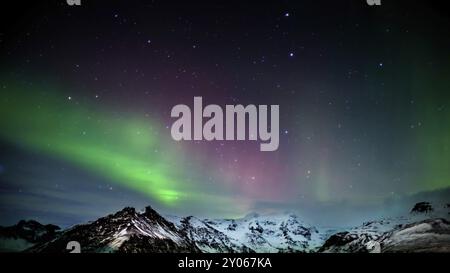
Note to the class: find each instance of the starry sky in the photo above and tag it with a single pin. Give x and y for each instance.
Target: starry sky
(86, 94)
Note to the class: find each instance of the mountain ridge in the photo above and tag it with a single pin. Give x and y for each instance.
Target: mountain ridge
(147, 231)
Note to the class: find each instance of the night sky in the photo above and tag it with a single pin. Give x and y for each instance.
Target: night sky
(86, 94)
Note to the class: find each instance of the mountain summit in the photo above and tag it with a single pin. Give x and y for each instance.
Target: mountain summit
(125, 231)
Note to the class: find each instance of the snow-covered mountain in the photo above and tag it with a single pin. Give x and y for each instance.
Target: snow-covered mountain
(253, 233)
(424, 229)
(271, 233)
(131, 231)
(124, 231)
(431, 235)
(207, 238)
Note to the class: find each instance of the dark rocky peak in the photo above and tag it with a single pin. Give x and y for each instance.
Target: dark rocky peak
(31, 231)
(155, 217)
(126, 211)
(151, 213)
(35, 225)
(29, 224)
(422, 207)
(123, 216)
(186, 220)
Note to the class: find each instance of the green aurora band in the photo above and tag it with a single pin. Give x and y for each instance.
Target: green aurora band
(119, 147)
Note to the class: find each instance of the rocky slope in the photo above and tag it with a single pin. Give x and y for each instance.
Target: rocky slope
(25, 234)
(125, 231)
(424, 230)
(432, 235)
(207, 238)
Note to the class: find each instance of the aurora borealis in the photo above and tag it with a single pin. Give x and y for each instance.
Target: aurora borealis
(86, 95)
